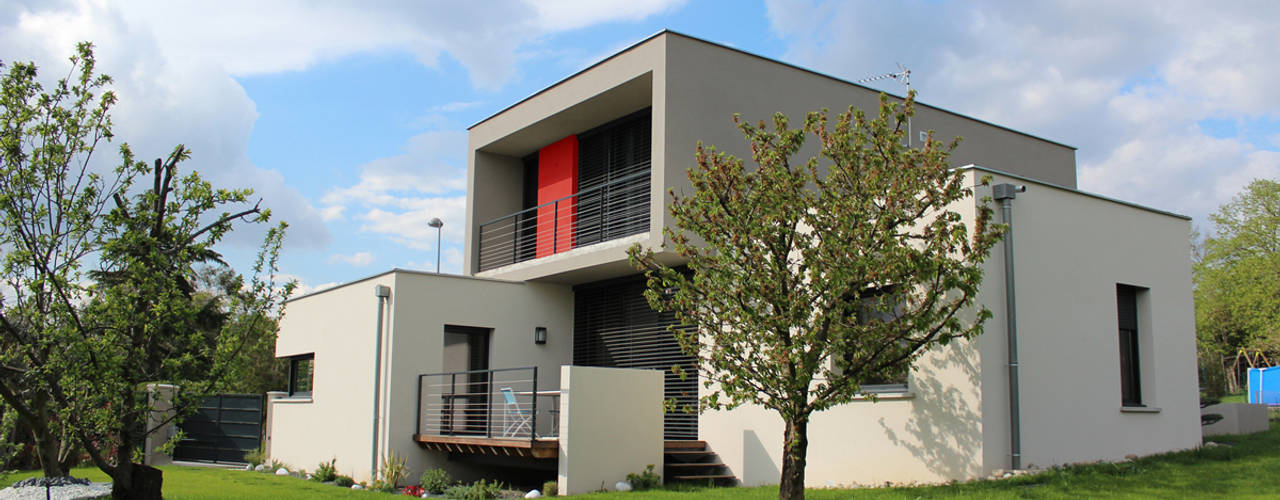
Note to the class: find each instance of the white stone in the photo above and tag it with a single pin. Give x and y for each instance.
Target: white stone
(533, 494)
(248, 467)
(72, 491)
(622, 486)
(260, 467)
(282, 471)
(357, 487)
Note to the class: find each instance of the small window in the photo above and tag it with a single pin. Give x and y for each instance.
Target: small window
(301, 369)
(1130, 362)
(874, 306)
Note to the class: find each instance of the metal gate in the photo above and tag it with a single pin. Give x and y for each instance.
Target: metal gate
(223, 429)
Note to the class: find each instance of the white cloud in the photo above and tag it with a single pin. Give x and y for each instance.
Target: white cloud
(1125, 82)
(300, 286)
(163, 101)
(303, 289)
(396, 196)
(358, 259)
(409, 227)
(561, 15)
(332, 213)
(429, 165)
(174, 64)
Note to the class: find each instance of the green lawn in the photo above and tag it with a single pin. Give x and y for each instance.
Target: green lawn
(1249, 468)
(1239, 397)
(199, 483)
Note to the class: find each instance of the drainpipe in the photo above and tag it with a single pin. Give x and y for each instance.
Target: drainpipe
(1005, 193)
(383, 292)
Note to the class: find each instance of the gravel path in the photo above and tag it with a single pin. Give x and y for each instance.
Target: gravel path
(65, 490)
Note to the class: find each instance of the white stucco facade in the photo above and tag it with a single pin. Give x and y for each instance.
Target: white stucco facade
(339, 325)
(1071, 251)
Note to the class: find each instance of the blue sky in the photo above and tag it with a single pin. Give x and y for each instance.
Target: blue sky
(350, 119)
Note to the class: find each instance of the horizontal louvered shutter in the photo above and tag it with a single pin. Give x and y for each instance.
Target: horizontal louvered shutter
(615, 327)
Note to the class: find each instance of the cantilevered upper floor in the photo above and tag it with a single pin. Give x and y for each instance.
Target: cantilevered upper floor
(561, 183)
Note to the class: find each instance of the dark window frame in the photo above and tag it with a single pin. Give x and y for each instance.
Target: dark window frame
(294, 361)
(1130, 345)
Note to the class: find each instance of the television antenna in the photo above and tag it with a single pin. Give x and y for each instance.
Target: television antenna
(903, 76)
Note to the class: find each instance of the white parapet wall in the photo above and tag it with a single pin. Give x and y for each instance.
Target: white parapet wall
(610, 425)
(1237, 418)
(161, 398)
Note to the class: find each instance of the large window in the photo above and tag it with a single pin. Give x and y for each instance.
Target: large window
(614, 326)
(301, 369)
(1130, 346)
(613, 177)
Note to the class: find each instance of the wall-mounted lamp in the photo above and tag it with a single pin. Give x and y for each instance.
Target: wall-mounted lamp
(540, 335)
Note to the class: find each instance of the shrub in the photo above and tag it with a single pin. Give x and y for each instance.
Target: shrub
(343, 481)
(275, 466)
(326, 471)
(646, 480)
(435, 481)
(383, 486)
(257, 457)
(392, 469)
(479, 490)
(412, 491)
(458, 492)
(550, 489)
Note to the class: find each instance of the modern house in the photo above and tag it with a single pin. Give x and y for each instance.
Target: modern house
(543, 359)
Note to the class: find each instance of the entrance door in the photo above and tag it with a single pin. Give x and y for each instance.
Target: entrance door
(466, 352)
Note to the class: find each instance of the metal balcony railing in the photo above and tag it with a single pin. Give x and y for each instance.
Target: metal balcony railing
(493, 404)
(603, 212)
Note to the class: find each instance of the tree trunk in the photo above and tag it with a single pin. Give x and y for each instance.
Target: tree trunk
(47, 449)
(132, 481)
(795, 448)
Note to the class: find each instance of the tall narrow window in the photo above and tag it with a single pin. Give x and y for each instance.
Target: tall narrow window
(1130, 369)
(301, 369)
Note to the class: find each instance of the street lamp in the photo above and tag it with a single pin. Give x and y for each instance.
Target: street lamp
(438, 224)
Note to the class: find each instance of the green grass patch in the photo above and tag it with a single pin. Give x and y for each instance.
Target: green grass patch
(1238, 397)
(1245, 469)
(201, 483)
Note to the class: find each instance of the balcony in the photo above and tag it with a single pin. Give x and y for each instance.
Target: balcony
(494, 412)
(606, 211)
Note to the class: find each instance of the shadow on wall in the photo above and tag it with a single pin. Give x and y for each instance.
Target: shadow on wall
(757, 462)
(945, 427)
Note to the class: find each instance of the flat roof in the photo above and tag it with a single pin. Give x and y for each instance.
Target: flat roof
(758, 56)
(1073, 190)
(397, 270)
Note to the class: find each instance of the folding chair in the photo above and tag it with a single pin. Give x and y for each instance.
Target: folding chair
(514, 416)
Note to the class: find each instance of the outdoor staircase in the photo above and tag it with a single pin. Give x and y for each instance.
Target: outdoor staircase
(691, 462)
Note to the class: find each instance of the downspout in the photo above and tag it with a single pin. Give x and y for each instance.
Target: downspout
(383, 292)
(1005, 193)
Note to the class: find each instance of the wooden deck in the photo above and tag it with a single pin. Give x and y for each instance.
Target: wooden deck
(539, 448)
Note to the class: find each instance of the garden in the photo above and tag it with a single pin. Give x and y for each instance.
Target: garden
(1228, 467)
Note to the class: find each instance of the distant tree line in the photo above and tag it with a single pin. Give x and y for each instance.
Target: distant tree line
(1237, 288)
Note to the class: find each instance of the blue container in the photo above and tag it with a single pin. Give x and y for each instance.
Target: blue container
(1264, 385)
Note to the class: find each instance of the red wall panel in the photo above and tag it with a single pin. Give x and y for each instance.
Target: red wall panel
(557, 178)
